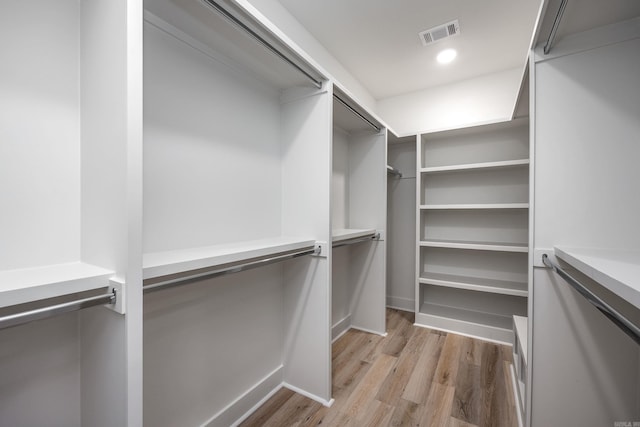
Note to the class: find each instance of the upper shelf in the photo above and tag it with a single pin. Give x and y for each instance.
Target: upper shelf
(160, 264)
(472, 206)
(33, 284)
(341, 234)
(475, 166)
(616, 270)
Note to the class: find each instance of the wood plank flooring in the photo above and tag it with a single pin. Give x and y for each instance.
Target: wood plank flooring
(412, 377)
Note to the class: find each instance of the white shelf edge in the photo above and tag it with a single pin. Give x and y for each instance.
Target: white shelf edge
(478, 246)
(32, 284)
(475, 166)
(520, 326)
(160, 264)
(466, 285)
(471, 206)
(341, 234)
(616, 270)
(464, 327)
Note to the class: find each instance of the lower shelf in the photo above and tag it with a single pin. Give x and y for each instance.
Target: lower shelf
(470, 312)
(482, 325)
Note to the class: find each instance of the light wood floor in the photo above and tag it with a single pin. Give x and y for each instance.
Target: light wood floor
(412, 377)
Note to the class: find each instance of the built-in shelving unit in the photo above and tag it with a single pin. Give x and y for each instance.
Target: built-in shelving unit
(358, 217)
(472, 229)
(237, 162)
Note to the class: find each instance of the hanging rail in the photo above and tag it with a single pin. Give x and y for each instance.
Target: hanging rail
(394, 171)
(353, 240)
(357, 113)
(554, 28)
(260, 39)
(54, 310)
(611, 313)
(229, 268)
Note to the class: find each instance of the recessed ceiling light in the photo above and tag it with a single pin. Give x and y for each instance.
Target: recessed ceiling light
(446, 56)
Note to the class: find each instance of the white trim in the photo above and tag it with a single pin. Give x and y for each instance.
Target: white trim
(340, 327)
(245, 404)
(398, 303)
(295, 389)
(370, 331)
(516, 394)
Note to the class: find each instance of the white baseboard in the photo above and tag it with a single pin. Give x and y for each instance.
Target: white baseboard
(340, 328)
(240, 409)
(404, 304)
(325, 402)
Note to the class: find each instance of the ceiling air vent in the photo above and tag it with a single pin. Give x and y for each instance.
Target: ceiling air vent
(440, 32)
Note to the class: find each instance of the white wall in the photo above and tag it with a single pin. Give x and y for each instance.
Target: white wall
(586, 124)
(485, 99)
(40, 134)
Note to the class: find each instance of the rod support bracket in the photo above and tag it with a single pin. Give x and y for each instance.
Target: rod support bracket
(322, 249)
(118, 287)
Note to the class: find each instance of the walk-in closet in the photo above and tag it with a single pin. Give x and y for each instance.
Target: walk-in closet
(279, 213)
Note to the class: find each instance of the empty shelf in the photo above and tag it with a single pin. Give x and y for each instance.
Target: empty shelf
(618, 271)
(475, 284)
(33, 284)
(462, 315)
(341, 234)
(160, 264)
(472, 166)
(480, 246)
(470, 206)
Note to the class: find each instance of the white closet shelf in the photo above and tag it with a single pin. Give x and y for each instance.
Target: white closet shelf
(479, 246)
(341, 234)
(471, 206)
(158, 264)
(486, 320)
(475, 166)
(475, 284)
(33, 284)
(616, 270)
(520, 326)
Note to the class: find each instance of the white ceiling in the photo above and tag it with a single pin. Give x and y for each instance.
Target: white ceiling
(377, 40)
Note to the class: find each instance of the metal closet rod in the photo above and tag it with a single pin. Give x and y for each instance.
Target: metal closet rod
(234, 20)
(229, 268)
(357, 113)
(612, 314)
(554, 28)
(360, 239)
(54, 310)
